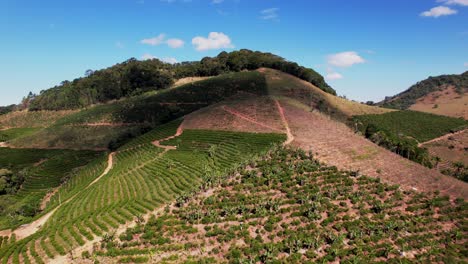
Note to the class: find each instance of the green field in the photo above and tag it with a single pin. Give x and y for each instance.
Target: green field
(290, 208)
(417, 125)
(42, 170)
(13, 133)
(142, 179)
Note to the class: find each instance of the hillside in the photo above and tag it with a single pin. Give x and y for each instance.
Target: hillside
(134, 77)
(443, 95)
(214, 137)
(289, 208)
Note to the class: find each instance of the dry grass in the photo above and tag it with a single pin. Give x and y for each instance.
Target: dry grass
(283, 84)
(32, 119)
(445, 102)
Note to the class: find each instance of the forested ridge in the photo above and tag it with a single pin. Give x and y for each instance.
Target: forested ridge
(134, 77)
(407, 98)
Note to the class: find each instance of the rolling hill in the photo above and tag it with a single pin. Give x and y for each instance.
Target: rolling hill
(442, 95)
(256, 164)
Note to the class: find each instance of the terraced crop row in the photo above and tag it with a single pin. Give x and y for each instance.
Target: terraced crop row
(140, 181)
(42, 170)
(290, 208)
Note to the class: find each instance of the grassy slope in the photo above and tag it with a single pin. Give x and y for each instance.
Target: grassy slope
(290, 208)
(282, 84)
(13, 133)
(445, 102)
(26, 119)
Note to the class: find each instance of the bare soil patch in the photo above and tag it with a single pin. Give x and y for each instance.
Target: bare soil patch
(248, 114)
(444, 102)
(336, 144)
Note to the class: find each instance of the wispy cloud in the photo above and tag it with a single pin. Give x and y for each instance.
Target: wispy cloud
(154, 41)
(175, 43)
(269, 14)
(439, 11)
(217, 1)
(466, 64)
(344, 59)
(215, 40)
(333, 76)
(454, 2)
(161, 39)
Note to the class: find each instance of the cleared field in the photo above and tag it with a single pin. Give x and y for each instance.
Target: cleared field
(336, 144)
(446, 102)
(143, 178)
(290, 208)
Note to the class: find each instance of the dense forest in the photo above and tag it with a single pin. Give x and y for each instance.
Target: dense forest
(407, 98)
(134, 77)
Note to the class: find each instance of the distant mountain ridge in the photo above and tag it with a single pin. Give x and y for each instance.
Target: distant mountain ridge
(406, 99)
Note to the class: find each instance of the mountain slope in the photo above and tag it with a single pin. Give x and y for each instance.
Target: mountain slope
(444, 95)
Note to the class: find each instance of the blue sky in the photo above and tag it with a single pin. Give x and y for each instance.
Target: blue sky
(367, 48)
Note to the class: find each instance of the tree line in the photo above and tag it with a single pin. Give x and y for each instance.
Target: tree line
(134, 77)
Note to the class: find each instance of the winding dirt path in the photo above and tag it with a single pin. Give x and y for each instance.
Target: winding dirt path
(110, 164)
(179, 132)
(31, 228)
(88, 246)
(446, 136)
(285, 122)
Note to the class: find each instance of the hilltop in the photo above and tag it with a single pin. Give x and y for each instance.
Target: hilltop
(442, 95)
(143, 163)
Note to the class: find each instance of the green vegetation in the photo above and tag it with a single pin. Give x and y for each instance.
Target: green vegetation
(12, 133)
(140, 113)
(6, 109)
(290, 208)
(143, 178)
(402, 131)
(420, 126)
(134, 77)
(26, 175)
(407, 98)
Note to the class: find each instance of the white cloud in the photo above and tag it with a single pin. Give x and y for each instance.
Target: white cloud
(269, 14)
(175, 43)
(454, 2)
(345, 59)
(333, 76)
(439, 11)
(170, 60)
(148, 56)
(215, 40)
(158, 40)
(466, 64)
(161, 39)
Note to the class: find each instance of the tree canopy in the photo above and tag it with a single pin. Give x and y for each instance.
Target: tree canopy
(134, 77)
